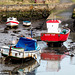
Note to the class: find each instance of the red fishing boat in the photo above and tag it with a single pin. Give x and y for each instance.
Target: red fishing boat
(55, 33)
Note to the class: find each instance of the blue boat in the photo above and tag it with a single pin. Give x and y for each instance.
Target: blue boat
(26, 47)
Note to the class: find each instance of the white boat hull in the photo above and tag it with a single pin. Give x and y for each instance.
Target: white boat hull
(12, 24)
(27, 24)
(19, 53)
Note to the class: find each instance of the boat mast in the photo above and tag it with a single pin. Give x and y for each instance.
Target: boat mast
(31, 31)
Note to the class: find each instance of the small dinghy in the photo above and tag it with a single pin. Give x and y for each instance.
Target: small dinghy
(26, 23)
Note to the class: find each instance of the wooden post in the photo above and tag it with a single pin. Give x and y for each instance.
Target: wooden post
(10, 54)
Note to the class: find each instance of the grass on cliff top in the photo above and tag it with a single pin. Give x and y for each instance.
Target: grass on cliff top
(73, 1)
(6, 3)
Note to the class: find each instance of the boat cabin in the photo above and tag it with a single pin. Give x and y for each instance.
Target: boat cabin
(27, 44)
(11, 19)
(53, 26)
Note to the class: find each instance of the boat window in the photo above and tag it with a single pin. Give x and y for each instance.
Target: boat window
(11, 19)
(6, 49)
(15, 54)
(19, 53)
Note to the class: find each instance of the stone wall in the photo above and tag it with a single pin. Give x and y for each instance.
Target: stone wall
(26, 7)
(30, 10)
(23, 12)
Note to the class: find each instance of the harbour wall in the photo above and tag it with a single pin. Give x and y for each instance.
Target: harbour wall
(25, 12)
(30, 11)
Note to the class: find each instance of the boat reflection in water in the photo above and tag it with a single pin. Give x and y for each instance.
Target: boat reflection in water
(28, 68)
(53, 57)
(20, 68)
